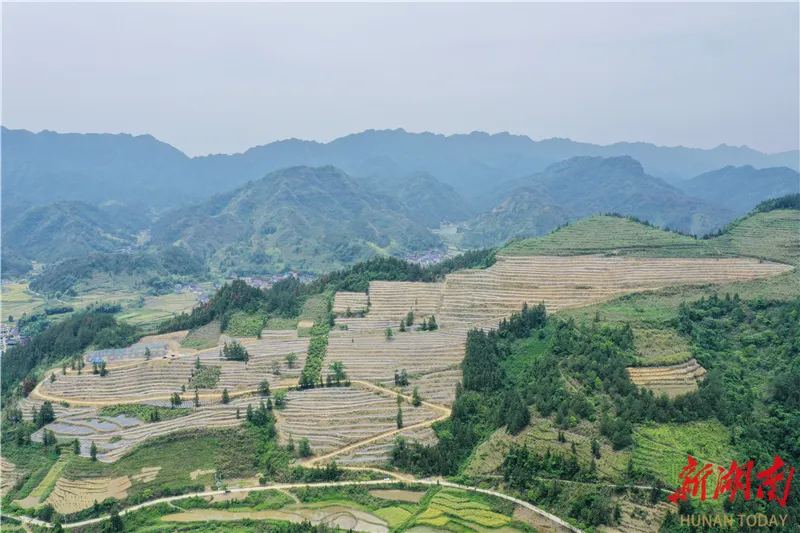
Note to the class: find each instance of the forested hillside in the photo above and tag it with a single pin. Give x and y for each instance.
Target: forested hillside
(302, 218)
(742, 188)
(585, 186)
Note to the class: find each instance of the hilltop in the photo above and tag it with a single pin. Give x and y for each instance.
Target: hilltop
(765, 234)
(586, 186)
(56, 231)
(301, 218)
(742, 188)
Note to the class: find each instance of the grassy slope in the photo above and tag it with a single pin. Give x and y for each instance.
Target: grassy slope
(769, 235)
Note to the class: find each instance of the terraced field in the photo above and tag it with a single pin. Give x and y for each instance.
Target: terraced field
(8, 476)
(562, 282)
(672, 380)
(394, 299)
(70, 496)
(331, 418)
(159, 378)
(371, 357)
(377, 453)
(115, 436)
(355, 301)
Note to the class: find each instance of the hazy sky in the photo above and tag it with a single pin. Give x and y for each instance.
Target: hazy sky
(211, 78)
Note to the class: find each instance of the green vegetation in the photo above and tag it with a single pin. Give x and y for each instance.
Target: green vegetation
(234, 352)
(242, 324)
(607, 234)
(311, 375)
(206, 376)
(157, 271)
(206, 336)
(662, 449)
(583, 186)
(765, 234)
(253, 501)
(326, 223)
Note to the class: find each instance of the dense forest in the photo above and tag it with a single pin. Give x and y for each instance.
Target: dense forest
(155, 269)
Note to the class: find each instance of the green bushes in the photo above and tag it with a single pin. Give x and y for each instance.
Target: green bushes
(241, 324)
(311, 374)
(206, 377)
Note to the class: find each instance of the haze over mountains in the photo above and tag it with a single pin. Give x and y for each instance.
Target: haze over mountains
(96, 192)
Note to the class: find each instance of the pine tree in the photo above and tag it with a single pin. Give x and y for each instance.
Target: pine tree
(249, 413)
(304, 448)
(410, 319)
(416, 398)
(432, 325)
(93, 451)
(76, 447)
(147, 354)
(225, 397)
(196, 398)
(399, 416)
(238, 414)
(402, 326)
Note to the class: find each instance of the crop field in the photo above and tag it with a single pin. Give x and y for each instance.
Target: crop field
(17, 300)
(770, 235)
(159, 378)
(394, 299)
(334, 417)
(70, 496)
(662, 450)
(672, 380)
(460, 509)
(371, 357)
(203, 337)
(8, 476)
(355, 301)
(348, 518)
(115, 436)
(562, 282)
(158, 308)
(437, 387)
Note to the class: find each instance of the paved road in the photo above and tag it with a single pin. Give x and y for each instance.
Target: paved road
(286, 486)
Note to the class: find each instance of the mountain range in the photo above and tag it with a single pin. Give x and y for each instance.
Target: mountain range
(742, 188)
(315, 207)
(45, 167)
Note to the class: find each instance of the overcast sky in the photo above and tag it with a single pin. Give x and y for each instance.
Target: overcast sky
(211, 78)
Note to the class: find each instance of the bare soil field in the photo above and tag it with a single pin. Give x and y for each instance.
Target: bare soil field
(355, 301)
(472, 296)
(334, 417)
(70, 496)
(672, 380)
